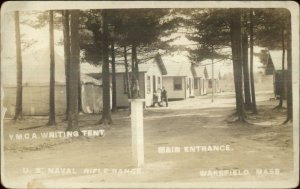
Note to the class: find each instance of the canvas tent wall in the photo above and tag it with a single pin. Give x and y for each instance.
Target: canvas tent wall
(179, 80)
(91, 94)
(36, 78)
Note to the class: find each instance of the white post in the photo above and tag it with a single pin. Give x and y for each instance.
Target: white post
(137, 131)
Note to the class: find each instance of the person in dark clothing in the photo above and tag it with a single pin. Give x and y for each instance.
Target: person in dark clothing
(164, 96)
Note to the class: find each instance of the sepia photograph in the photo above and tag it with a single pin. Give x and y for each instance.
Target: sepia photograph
(136, 94)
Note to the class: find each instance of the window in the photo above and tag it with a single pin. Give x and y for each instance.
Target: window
(177, 83)
(148, 85)
(196, 83)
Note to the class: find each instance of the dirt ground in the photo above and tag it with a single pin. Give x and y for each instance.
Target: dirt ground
(262, 144)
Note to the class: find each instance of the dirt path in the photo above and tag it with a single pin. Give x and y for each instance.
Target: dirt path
(187, 125)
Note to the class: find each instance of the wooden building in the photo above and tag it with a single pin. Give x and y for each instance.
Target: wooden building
(274, 67)
(179, 80)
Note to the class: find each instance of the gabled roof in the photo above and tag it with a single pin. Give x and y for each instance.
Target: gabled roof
(207, 67)
(275, 58)
(177, 65)
(161, 64)
(198, 71)
(209, 71)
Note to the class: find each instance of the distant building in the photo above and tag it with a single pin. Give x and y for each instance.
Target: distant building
(213, 76)
(210, 75)
(200, 81)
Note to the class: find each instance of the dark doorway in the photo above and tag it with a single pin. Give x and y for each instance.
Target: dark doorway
(154, 83)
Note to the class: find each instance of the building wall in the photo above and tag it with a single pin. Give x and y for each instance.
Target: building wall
(201, 87)
(122, 97)
(261, 82)
(168, 83)
(153, 72)
(216, 87)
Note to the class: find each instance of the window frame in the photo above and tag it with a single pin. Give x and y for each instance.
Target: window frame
(174, 83)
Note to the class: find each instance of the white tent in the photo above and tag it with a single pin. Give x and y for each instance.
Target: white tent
(36, 80)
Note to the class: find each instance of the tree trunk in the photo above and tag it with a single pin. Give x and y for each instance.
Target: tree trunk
(66, 33)
(106, 115)
(236, 45)
(136, 63)
(113, 78)
(282, 71)
(246, 72)
(74, 66)
(127, 78)
(52, 72)
(127, 73)
(212, 80)
(289, 75)
(253, 98)
(137, 72)
(19, 95)
(79, 91)
(134, 75)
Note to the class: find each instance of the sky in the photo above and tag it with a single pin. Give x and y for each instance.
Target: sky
(41, 41)
(40, 37)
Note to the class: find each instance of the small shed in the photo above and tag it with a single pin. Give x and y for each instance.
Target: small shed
(274, 67)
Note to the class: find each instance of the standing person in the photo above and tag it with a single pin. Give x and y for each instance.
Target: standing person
(159, 98)
(164, 96)
(155, 98)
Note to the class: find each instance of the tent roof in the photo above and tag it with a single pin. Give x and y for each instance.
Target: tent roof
(35, 68)
(86, 79)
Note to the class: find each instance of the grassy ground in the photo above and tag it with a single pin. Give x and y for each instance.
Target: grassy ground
(262, 143)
